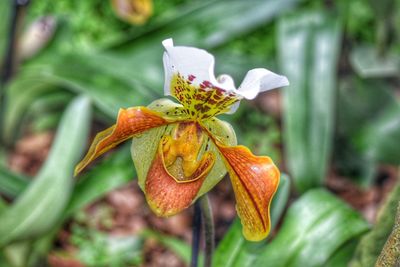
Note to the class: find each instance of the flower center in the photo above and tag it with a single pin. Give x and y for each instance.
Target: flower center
(181, 151)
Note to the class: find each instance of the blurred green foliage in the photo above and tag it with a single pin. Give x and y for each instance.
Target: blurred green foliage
(340, 115)
(309, 52)
(94, 22)
(97, 249)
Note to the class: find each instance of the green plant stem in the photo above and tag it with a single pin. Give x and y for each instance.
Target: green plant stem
(390, 255)
(208, 224)
(196, 234)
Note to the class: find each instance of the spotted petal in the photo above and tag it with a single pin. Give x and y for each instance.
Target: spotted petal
(191, 63)
(130, 122)
(255, 181)
(189, 77)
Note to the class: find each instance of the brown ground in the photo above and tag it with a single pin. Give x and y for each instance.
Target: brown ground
(129, 214)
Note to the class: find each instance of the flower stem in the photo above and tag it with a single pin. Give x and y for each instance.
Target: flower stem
(196, 234)
(208, 223)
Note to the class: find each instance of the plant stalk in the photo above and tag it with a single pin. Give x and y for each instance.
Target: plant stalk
(196, 234)
(208, 224)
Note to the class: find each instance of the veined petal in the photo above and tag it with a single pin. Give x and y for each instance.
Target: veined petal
(130, 122)
(255, 181)
(189, 62)
(260, 80)
(166, 194)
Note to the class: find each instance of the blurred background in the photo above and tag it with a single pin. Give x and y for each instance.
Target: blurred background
(67, 66)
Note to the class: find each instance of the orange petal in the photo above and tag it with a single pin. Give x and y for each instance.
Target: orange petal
(255, 181)
(130, 121)
(168, 196)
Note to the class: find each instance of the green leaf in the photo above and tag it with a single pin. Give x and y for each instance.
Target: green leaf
(47, 121)
(20, 93)
(3, 205)
(234, 249)
(379, 140)
(343, 255)
(39, 208)
(4, 29)
(367, 62)
(12, 184)
(16, 254)
(54, 100)
(315, 228)
(308, 47)
(359, 101)
(113, 172)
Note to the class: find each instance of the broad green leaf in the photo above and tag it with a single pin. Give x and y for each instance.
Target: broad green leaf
(40, 206)
(315, 227)
(234, 249)
(109, 90)
(111, 173)
(5, 8)
(367, 62)
(308, 48)
(379, 140)
(12, 184)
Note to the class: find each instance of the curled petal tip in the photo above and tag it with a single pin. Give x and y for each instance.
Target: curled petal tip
(168, 43)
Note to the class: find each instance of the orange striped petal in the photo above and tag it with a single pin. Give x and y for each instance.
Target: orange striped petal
(130, 122)
(255, 181)
(168, 196)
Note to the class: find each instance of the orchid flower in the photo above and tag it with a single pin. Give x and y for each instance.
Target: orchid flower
(181, 151)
